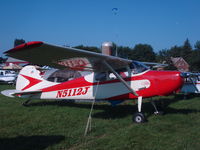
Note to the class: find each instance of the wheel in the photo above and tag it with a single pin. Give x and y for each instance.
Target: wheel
(139, 118)
(159, 113)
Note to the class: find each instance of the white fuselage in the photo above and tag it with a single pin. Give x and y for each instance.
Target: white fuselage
(95, 90)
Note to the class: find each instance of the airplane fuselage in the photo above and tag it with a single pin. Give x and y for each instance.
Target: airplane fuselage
(146, 84)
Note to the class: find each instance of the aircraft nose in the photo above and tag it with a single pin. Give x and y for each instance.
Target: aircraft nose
(178, 79)
(170, 82)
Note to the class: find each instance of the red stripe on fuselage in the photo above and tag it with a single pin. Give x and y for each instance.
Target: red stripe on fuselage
(162, 83)
(80, 82)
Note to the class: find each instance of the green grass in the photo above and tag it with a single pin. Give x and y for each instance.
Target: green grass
(61, 125)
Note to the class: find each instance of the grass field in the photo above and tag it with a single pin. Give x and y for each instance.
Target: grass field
(61, 125)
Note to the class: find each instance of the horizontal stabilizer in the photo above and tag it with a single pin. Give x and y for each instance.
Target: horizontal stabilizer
(13, 93)
(8, 93)
(27, 92)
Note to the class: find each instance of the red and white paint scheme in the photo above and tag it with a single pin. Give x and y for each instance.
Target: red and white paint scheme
(111, 78)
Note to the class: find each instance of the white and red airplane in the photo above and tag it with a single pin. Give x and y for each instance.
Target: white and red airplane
(112, 78)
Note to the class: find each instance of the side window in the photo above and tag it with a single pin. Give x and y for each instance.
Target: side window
(124, 72)
(138, 67)
(100, 76)
(1, 73)
(103, 76)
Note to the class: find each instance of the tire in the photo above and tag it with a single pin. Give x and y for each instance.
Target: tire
(159, 113)
(139, 118)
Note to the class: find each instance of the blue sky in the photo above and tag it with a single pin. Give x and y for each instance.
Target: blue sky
(159, 23)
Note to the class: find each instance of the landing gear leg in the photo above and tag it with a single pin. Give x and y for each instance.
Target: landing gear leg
(26, 103)
(156, 110)
(139, 116)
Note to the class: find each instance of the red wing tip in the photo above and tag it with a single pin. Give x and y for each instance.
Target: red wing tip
(27, 45)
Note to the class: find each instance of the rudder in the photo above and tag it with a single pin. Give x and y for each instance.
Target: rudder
(27, 78)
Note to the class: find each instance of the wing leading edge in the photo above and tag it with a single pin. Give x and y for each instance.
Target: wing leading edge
(65, 57)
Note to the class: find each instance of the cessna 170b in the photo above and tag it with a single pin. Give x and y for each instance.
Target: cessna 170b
(111, 78)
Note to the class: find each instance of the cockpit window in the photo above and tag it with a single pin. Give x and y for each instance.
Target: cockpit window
(135, 67)
(138, 67)
(61, 75)
(102, 76)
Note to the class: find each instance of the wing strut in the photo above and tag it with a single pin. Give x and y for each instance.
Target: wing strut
(120, 78)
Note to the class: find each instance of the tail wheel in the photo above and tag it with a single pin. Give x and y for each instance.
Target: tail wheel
(139, 118)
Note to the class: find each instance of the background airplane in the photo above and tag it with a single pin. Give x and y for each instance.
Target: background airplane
(8, 76)
(191, 84)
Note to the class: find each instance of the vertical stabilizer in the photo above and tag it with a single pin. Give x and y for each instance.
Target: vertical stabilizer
(28, 77)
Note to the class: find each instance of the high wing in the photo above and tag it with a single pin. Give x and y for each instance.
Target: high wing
(40, 53)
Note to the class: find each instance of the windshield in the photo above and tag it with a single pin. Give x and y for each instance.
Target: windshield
(138, 67)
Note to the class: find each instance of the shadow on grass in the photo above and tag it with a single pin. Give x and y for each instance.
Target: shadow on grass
(123, 110)
(29, 143)
(147, 108)
(165, 102)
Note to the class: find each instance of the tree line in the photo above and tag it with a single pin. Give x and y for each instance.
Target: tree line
(145, 53)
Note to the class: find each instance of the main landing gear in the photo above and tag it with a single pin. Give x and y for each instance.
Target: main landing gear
(156, 112)
(139, 117)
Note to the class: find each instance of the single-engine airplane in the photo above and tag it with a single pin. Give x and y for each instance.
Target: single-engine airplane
(112, 78)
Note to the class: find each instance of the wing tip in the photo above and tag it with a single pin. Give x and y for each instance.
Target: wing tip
(27, 45)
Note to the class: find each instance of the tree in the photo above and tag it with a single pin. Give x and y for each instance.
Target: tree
(195, 61)
(191, 56)
(187, 46)
(179, 51)
(186, 50)
(123, 52)
(19, 42)
(197, 45)
(175, 51)
(195, 58)
(162, 55)
(143, 52)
